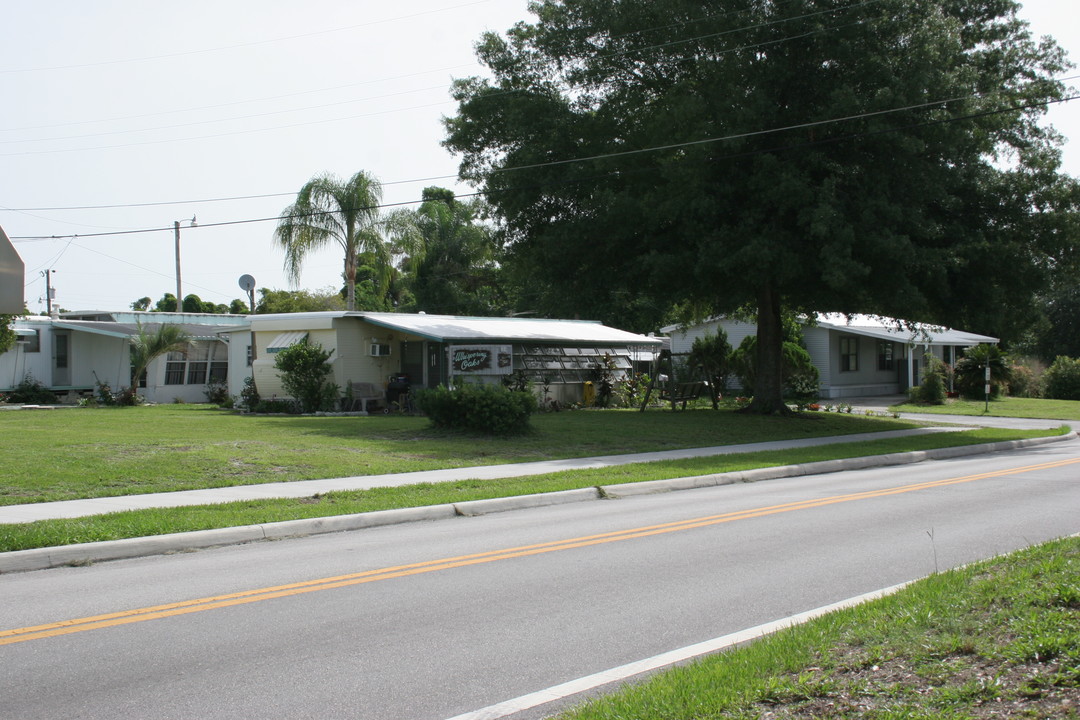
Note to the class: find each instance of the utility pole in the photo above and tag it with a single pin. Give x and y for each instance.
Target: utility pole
(49, 292)
(176, 233)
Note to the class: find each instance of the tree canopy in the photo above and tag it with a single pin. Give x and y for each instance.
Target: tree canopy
(452, 267)
(328, 210)
(294, 301)
(881, 156)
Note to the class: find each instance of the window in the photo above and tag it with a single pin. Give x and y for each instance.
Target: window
(219, 371)
(886, 356)
(31, 340)
(175, 367)
(849, 354)
(198, 365)
(198, 358)
(61, 350)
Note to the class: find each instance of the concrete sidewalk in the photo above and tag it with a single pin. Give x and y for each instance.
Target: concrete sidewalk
(49, 557)
(31, 512)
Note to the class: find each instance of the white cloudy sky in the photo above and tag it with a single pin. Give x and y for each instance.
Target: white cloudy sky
(127, 102)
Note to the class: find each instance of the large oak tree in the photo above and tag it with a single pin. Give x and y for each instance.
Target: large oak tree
(874, 156)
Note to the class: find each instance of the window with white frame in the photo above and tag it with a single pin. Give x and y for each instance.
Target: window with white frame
(197, 365)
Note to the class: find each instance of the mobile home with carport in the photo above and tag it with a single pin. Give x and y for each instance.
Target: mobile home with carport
(429, 350)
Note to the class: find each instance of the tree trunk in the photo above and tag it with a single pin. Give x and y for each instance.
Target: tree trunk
(768, 383)
(350, 267)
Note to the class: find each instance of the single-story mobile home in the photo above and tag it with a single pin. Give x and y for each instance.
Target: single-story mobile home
(423, 351)
(857, 355)
(70, 353)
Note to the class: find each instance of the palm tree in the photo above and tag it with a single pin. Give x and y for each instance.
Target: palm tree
(147, 345)
(450, 256)
(328, 210)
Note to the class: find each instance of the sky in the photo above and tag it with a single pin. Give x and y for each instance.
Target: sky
(169, 111)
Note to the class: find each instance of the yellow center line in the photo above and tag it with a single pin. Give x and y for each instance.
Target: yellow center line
(65, 627)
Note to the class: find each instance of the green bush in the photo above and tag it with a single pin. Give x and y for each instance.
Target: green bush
(1025, 381)
(801, 379)
(931, 391)
(304, 368)
(217, 393)
(277, 405)
(30, 391)
(485, 409)
(711, 355)
(970, 372)
(1061, 381)
(249, 396)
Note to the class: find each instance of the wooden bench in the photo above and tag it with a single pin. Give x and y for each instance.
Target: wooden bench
(684, 392)
(364, 393)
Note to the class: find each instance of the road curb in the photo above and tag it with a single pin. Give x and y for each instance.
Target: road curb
(88, 553)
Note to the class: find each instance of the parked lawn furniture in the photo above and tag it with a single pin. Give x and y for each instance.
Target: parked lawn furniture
(364, 393)
(683, 393)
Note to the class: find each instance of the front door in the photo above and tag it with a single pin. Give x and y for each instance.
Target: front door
(61, 359)
(436, 364)
(412, 361)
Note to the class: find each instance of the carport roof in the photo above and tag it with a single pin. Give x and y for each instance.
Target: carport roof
(128, 330)
(897, 331)
(452, 328)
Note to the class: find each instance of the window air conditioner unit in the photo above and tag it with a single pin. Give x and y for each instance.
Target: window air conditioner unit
(380, 350)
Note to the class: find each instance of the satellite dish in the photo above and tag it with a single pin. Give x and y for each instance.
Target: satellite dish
(247, 283)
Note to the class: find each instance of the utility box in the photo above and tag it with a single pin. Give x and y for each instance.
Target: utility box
(12, 277)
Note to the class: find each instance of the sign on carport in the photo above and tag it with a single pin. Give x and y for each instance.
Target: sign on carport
(12, 272)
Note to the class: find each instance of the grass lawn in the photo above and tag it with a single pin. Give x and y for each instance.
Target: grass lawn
(1005, 407)
(993, 640)
(141, 523)
(64, 454)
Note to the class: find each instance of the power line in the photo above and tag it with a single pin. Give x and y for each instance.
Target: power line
(624, 153)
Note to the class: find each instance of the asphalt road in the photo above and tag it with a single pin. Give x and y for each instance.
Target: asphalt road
(431, 620)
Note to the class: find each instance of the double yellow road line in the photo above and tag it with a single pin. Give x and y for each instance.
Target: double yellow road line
(157, 612)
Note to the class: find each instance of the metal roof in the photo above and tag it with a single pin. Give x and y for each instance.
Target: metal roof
(453, 328)
(129, 330)
(900, 331)
(885, 328)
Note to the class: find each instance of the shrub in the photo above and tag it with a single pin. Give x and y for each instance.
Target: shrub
(30, 391)
(304, 367)
(602, 375)
(1061, 381)
(103, 392)
(249, 396)
(217, 392)
(1025, 380)
(970, 372)
(485, 409)
(711, 355)
(277, 405)
(801, 379)
(931, 391)
(631, 388)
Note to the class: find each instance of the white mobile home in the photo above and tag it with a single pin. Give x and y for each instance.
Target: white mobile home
(857, 355)
(70, 354)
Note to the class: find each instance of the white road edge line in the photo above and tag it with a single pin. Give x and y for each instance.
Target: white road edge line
(623, 672)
